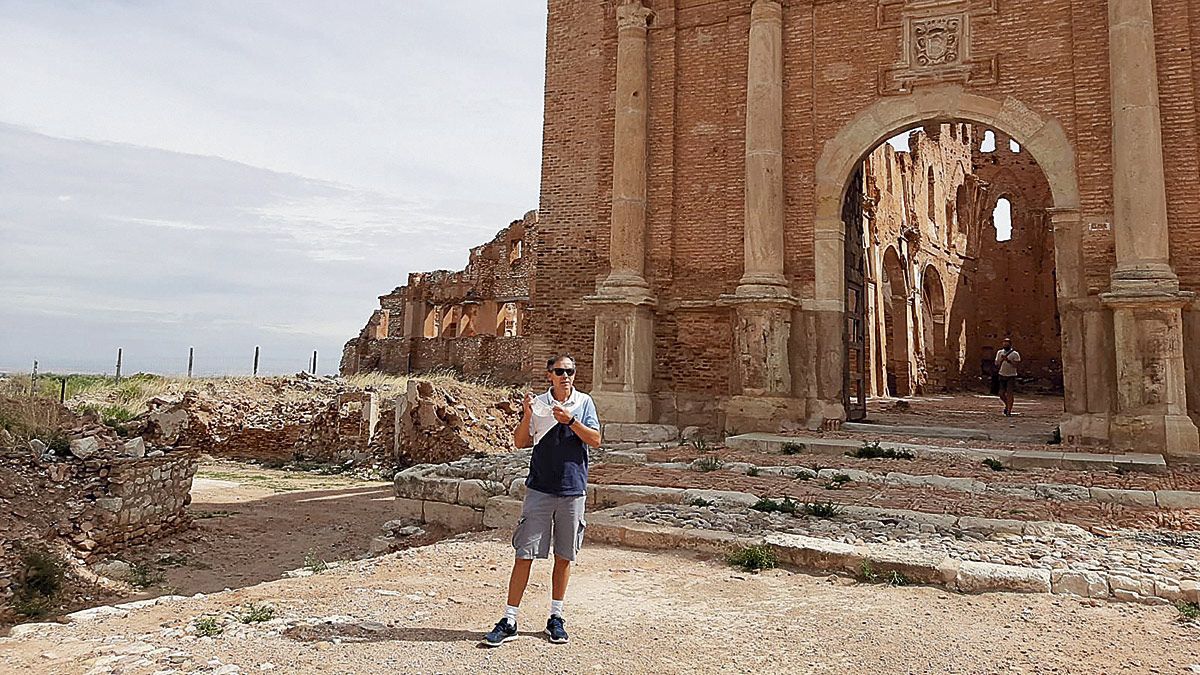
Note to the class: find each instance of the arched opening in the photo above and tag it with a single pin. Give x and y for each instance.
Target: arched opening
(1002, 220)
(934, 336)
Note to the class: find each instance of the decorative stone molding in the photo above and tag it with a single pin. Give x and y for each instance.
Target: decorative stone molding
(935, 44)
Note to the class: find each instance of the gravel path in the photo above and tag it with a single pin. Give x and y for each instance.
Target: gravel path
(421, 611)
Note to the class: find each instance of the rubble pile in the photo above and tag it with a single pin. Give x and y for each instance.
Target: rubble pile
(443, 422)
(305, 418)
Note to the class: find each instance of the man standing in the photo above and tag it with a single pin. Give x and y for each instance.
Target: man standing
(1006, 363)
(561, 425)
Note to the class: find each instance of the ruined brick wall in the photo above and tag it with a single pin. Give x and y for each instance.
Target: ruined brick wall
(1015, 290)
(471, 321)
(944, 291)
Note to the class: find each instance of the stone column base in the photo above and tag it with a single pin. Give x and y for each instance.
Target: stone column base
(1085, 428)
(744, 414)
(623, 406)
(624, 354)
(1151, 383)
(1175, 436)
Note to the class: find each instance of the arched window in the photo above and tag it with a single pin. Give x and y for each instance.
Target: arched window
(989, 141)
(1014, 146)
(1002, 219)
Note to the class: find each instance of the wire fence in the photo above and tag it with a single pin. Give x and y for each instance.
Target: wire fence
(191, 363)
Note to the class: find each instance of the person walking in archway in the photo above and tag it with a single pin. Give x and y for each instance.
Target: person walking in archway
(561, 424)
(1006, 369)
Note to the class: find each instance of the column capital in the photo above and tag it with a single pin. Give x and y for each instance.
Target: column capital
(631, 14)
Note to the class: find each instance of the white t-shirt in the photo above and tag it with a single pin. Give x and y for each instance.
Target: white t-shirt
(1008, 366)
(541, 419)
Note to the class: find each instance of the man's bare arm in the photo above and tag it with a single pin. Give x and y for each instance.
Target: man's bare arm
(521, 436)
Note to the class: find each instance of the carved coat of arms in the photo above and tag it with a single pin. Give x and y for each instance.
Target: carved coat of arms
(936, 40)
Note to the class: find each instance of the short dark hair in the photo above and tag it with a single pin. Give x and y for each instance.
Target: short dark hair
(556, 358)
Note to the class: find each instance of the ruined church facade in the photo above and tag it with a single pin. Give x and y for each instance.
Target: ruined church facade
(708, 198)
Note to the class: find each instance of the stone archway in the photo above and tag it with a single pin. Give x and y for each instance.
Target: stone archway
(1088, 394)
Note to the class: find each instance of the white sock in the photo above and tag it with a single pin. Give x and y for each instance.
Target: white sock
(510, 613)
(556, 607)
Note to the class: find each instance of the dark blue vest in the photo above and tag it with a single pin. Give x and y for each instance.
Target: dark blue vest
(559, 464)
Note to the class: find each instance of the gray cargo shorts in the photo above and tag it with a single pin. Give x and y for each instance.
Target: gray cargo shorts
(547, 519)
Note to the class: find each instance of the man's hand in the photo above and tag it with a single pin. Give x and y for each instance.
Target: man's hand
(527, 404)
(560, 413)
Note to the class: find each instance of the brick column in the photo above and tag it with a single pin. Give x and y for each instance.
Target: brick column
(1151, 410)
(762, 375)
(624, 334)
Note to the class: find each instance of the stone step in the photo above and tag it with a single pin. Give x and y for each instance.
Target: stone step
(871, 562)
(1017, 459)
(913, 430)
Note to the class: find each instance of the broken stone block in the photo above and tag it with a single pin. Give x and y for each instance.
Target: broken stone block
(37, 446)
(134, 447)
(453, 516)
(979, 577)
(476, 493)
(85, 448)
(381, 545)
(1085, 584)
(502, 512)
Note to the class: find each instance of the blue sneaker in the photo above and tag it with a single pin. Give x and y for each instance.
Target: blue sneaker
(503, 632)
(554, 628)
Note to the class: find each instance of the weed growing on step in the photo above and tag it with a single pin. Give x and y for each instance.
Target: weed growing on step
(1188, 611)
(866, 572)
(873, 450)
(700, 444)
(207, 626)
(314, 564)
(823, 509)
(752, 471)
(994, 464)
(787, 505)
(794, 448)
(709, 463)
(752, 558)
(143, 576)
(837, 481)
(253, 613)
(1056, 437)
(39, 583)
(700, 502)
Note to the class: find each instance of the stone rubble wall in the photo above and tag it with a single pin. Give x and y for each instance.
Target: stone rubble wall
(90, 507)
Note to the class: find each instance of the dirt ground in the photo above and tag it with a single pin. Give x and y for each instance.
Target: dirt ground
(253, 524)
(423, 610)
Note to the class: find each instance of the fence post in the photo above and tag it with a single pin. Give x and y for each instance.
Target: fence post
(119, 350)
(33, 380)
(191, 355)
(255, 360)
(62, 393)
(314, 363)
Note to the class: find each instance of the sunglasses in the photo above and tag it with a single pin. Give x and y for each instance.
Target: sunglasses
(563, 371)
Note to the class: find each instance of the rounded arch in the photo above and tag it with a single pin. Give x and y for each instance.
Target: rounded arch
(1042, 136)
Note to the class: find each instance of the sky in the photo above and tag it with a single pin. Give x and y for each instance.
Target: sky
(227, 174)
